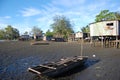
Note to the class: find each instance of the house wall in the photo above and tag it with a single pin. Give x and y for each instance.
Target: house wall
(78, 35)
(104, 28)
(24, 37)
(81, 35)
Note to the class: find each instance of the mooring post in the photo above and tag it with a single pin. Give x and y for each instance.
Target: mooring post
(117, 43)
(102, 41)
(91, 41)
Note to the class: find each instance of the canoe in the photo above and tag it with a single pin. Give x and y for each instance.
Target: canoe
(54, 69)
(39, 43)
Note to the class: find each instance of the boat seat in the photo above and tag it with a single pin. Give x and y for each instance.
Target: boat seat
(35, 71)
(64, 61)
(65, 64)
(45, 66)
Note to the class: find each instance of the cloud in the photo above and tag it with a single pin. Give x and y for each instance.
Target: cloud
(45, 22)
(80, 12)
(68, 3)
(118, 9)
(22, 28)
(26, 12)
(5, 17)
(78, 17)
(50, 10)
(2, 25)
(4, 20)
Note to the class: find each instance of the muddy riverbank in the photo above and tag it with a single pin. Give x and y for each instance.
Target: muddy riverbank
(16, 57)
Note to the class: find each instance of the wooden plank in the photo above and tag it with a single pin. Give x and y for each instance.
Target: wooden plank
(47, 67)
(30, 69)
(64, 61)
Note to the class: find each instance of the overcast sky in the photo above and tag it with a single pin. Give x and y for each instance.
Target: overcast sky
(24, 14)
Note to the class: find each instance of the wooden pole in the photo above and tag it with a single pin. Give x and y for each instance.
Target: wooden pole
(91, 41)
(116, 34)
(116, 41)
(102, 40)
(82, 47)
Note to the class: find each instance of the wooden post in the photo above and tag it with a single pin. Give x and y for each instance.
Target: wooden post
(116, 34)
(117, 41)
(102, 41)
(82, 47)
(91, 41)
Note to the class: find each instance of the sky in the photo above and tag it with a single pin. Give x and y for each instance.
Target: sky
(24, 14)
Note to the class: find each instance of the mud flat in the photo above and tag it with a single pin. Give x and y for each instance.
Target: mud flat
(16, 57)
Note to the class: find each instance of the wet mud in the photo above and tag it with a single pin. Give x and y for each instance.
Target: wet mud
(16, 57)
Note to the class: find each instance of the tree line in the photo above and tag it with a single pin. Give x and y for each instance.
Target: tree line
(9, 33)
(61, 26)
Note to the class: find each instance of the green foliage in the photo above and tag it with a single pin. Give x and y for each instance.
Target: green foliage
(2, 34)
(25, 33)
(117, 14)
(9, 33)
(61, 26)
(106, 15)
(86, 29)
(49, 33)
(36, 30)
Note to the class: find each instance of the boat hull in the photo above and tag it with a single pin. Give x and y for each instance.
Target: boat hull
(58, 68)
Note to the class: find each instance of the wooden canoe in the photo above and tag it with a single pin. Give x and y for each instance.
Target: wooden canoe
(54, 69)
